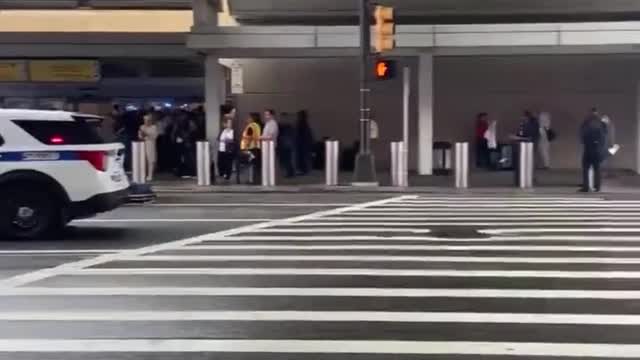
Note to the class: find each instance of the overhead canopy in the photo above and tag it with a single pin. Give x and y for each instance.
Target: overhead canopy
(437, 11)
(110, 4)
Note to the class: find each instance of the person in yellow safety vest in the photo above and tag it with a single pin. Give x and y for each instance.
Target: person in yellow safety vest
(250, 144)
(251, 134)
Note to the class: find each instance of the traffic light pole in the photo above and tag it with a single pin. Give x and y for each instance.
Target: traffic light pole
(365, 172)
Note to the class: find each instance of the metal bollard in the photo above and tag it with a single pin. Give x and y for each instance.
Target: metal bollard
(397, 164)
(526, 165)
(331, 162)
(268, 163)
(203, 158)
(403, 170)
(462, 165)
(138, 162)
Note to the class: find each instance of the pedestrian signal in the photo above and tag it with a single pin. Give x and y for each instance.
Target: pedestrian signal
(385, 69)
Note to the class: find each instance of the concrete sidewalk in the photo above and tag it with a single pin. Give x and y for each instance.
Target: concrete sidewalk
(480, 182)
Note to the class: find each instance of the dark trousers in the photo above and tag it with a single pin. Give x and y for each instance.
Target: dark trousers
(482, 153)
(285, 155)
(186, 159)
(225, 164)
(591, 161)
(256, 163)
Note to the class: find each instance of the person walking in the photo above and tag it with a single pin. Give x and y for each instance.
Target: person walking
(304, 143)
(148, 133)
(226, 150)
(593, 134)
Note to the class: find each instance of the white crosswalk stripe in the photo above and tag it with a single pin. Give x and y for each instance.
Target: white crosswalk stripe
(526, 277)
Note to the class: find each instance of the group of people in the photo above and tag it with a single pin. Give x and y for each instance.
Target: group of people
(532, 128)
(293, 142)
(170, 137)
(597, 135)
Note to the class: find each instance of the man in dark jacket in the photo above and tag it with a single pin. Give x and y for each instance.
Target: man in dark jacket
(593, 134)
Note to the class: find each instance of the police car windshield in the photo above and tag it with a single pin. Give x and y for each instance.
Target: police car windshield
(81, 131)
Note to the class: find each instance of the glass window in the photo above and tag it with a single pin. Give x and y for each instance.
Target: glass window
(81, 131)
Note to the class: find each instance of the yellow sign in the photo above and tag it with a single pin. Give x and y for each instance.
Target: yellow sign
(11, 71)
(64, 70)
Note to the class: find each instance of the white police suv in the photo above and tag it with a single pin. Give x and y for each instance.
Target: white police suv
(55, 167)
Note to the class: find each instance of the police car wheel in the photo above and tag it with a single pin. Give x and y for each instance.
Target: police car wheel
(28, 213)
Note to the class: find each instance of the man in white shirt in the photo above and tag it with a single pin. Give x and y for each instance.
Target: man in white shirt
(271, 129)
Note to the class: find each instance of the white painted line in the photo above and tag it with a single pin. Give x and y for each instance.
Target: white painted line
(506, 200)
(559, 217)
(496, 213)
(323, 347)
(502, 197)
(323, 316)
(42, 274)
(56, 252)
(561, 230)
(361, 272)
(306, 228)
(395, 239)
(387, 258)
(320, 223)
(502, 205)
(486, 212)
(561, 248)
(323, 292)
(168, 220)
(248, 205)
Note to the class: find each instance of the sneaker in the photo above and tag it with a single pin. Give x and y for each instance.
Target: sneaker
(583, 190)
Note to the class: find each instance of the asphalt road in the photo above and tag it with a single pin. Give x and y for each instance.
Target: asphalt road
(171, 218)
(331, 277)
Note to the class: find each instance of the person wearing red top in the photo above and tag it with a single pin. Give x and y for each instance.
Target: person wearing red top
(482, 148)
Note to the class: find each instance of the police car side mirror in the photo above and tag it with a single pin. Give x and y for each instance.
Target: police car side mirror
(1, 141)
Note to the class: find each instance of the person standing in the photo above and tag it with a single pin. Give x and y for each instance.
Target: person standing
(304, 143)
(482, 148)
(529, 131)
(271, 129)
(148, 133)
(226, 149)
(593, 134)
(544, 143)
(250, 145)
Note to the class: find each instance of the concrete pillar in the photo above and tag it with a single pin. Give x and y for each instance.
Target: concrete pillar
(425, 114)
(214, 95)
(205, 12)
(637, 129)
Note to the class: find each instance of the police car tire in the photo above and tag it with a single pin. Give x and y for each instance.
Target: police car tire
(48, 214)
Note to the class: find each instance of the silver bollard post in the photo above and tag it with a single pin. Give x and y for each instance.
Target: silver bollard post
(203, 158)
(462, 165)
(268, 163)
(526, 165)
(138, 162)
(331, 162)
(396, 150)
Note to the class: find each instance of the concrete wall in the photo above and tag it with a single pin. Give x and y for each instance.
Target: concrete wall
(328, 89)
(565, 86)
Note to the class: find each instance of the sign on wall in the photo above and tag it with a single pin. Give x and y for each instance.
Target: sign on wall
(12, 71)
(64, 70)
(237, 81)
